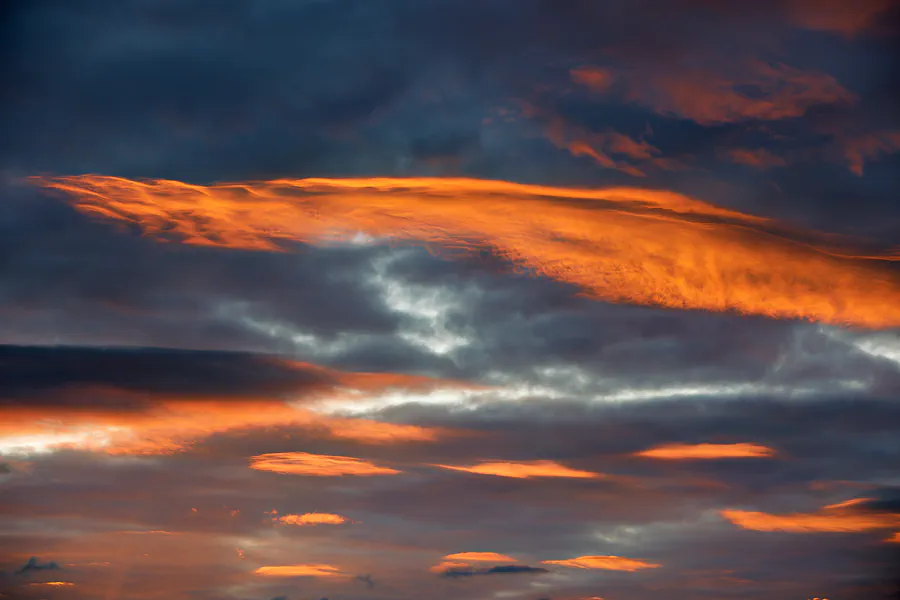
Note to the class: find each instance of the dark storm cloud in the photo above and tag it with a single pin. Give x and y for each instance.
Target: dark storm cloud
(34, 564)
(454, 573)
(36, 375)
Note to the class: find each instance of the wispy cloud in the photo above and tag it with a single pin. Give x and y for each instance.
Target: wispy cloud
(606, 563)
(623, 245)
(317, 465)
(844, 517)
(524, 469)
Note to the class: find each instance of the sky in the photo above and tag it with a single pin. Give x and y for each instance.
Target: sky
(449, 299)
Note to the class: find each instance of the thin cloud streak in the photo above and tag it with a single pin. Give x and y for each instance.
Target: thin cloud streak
(844, 517)
(623, 245)
(606, 563)
(317, 465)
(524, 469)
(707, 451)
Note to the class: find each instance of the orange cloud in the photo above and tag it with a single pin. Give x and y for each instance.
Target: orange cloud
(709, 96)
(608, 563)
(479, 557)
(319, 465)
(843, 517)
(707, 451)
(167, 424)
(629, 245)
(55, 583)
(610, 149)
(865, 148)
(524, 469)
(894, 539)
(300, 571)
(837, 16)
(462, 560)
(596, 79)
(311, 519)
(758, 158)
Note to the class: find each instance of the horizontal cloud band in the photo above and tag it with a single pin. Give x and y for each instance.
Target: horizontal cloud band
(646, 247)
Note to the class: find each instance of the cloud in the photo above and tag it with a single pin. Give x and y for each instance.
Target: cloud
(318, 465)
(758, 158)
(310, 570)
(847, 18)
(608, 563)
(480, 557)
(857, 150)
(159, 401)
(851, 516)
(497, 570)
(622, 245)
(34, 564)
(311, 519)
(707, 451)
(750, 90)
(464, 560)
(524, 469)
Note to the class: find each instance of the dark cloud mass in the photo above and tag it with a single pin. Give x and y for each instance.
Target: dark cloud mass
(427, 398)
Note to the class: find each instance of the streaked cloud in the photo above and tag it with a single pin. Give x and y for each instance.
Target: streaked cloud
(317, 465)
(310, 570)
(850, 516)
(465, 560)
(621, 245)
(707, 451)
(711, 95)
(524, 469)
(606, 563)
(758, 158)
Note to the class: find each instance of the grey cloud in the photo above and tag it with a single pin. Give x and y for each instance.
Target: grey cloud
(34, 564)
(456, 572)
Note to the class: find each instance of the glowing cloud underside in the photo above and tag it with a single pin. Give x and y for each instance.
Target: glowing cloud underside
(707, 451)
(625, 245)
(318, 465)
(608, 563)
(524, 470)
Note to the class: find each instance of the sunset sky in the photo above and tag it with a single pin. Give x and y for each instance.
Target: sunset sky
(449, 300)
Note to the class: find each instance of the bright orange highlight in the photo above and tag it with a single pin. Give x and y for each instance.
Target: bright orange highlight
(480, 557)
(173, 424)
(462, 560)
(55, 583)
(319, 465)
(626, 245)
(312, 519)
(843, 517)
(608, 563)
(300, 571)
(707, 451)
(894, 539)
(524, 469)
